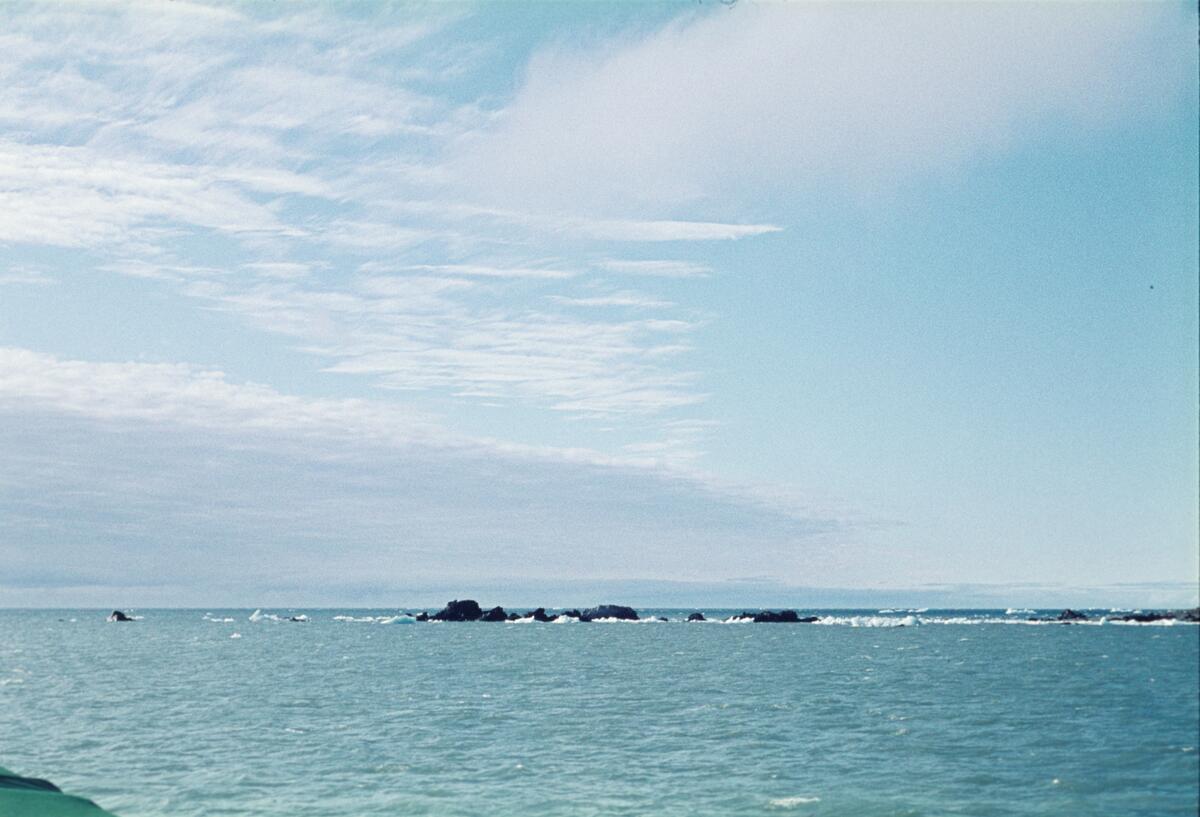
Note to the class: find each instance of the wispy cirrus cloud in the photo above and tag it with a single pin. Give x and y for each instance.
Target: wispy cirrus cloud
(662, 268)
(415, 332)
(255, 156)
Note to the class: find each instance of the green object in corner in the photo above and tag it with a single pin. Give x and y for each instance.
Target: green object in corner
(30, 797)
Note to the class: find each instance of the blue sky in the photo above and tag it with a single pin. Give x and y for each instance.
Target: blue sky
(332, 303)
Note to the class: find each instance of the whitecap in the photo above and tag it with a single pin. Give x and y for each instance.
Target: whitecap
(792, 802)
(870, 621)
(236, 635)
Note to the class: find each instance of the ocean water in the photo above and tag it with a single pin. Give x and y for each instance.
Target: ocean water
(194, 712)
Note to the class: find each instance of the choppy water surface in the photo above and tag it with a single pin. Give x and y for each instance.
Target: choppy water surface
(172, 715)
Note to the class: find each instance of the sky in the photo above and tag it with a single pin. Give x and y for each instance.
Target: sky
(333, 303)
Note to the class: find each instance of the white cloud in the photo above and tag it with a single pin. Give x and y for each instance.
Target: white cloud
(185, 477)
(25, 276)
(182, 395)
(757, 99)
(619, 299)
(488, 271)
(659, 268)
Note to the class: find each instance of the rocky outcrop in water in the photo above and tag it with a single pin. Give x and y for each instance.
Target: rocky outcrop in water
(540, 615)
(117, 615)
(774, 617)
(1164, 615)
(465, 610)
(1072, 615)
(697, 617)
(608, 611)
(495, 614)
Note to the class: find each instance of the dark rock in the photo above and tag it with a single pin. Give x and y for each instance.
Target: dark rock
(1165, 615)
(117, 615)
(1071, 615)
(495, 614)
(1143, 618)
(540, 615)
(465, 610)
(663, 618)
(609, 611)
(697, 617)
(808, 619)
(421, 616)
(573, 614)
(772, 617)
(300, 619)
(513, 616)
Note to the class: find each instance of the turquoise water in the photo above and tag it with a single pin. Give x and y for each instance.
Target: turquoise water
(172, 715)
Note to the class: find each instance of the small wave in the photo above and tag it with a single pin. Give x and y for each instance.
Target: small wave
(236, 635)
(792, 802)
(870, 621)
(400, 618)
(564, 620)
(1018, 611)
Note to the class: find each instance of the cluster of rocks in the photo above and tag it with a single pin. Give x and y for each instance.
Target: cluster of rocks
(1070, 616)
(775, 617)
(469, 610)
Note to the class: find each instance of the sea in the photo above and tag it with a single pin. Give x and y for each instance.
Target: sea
(363, 712)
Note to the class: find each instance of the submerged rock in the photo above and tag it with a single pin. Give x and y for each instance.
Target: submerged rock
(697, 617)
(514, 616)
(608, 611)
(117, 615)
(465, 610)
(495, 614)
